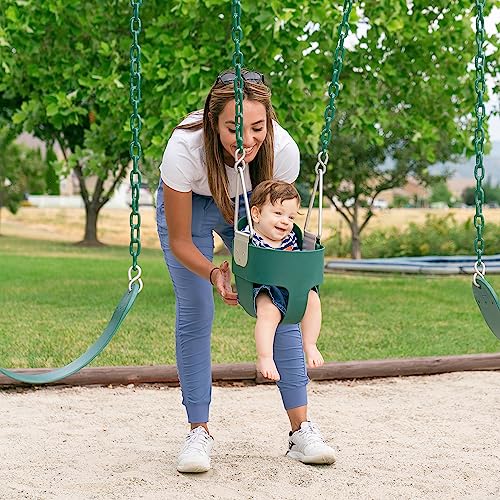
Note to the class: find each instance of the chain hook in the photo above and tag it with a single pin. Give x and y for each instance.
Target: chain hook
(322, 162)
(137, 277)
(478, 272)
(239, 159)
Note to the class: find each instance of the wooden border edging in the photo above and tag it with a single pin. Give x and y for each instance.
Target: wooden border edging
(167, 374)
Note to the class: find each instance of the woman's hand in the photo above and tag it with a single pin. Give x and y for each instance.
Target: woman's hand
(222, 283)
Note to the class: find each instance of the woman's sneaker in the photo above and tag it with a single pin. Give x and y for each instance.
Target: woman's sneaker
(195, 454)
(308, 446)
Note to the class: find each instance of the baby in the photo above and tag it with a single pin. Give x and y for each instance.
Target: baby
(274, 207)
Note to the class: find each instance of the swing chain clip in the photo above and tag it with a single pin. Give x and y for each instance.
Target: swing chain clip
(239, 159)
(137, 277)
(478, 272)
(322, 162)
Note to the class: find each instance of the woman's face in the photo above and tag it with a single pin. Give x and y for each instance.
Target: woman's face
(254, 129)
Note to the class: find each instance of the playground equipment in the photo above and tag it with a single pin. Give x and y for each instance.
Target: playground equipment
(485, 295)
(134, 272)
(298, 272)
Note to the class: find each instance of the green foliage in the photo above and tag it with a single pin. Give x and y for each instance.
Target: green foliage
(65, 80)
(441, 194)
(405, 81)
(305, 191)
(400, 201)
(51, 177)
(21, 170)
(468, 196)
(406, 100)
(491, 194)
(437, 236)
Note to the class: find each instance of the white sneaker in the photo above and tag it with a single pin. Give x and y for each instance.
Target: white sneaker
(195, 454)
(308, 446)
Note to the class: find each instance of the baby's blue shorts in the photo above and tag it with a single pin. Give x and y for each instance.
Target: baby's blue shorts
(278, 295)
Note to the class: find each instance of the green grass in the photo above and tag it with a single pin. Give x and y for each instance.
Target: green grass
(55, 299)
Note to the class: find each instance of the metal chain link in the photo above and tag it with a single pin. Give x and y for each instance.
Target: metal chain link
(329, 115)
(480, 111)
(334, 87)
(135, 145)
(237, 35)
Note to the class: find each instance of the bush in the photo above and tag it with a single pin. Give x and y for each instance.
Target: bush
(437, 236)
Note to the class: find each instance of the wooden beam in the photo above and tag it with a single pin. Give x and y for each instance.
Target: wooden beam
(246, 372)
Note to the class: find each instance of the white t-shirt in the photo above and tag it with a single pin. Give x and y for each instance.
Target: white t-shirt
(183, 166)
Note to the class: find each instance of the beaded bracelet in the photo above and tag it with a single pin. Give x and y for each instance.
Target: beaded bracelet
(210, 278)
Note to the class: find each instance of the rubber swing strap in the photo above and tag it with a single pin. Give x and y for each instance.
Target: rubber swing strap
(488, 303)
(93, 351)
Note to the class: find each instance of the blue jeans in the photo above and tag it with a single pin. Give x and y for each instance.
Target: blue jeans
(195, 313)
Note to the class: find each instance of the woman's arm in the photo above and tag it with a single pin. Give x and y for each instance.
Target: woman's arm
(178, 212)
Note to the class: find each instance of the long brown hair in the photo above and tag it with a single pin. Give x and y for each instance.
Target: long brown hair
(261, 168)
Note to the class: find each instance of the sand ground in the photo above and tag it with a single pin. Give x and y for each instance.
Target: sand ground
(435, 437)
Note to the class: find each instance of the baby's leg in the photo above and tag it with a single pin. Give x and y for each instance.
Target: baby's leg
(268, 318)
(311, 326)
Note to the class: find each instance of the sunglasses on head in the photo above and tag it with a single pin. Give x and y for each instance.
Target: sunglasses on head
(248, 76)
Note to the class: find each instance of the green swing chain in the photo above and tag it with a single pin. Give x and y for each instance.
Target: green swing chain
(329, 115)
(135, 145)
(239, 155)
(334, 87)
(237, 35)
(480, 87)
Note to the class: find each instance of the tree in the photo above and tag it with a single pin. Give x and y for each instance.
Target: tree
(21, 170)
(406, 97)
(491, 194)
(400, 201)
(76, 98)
(441, 194)
(406, 92)
(405, 104)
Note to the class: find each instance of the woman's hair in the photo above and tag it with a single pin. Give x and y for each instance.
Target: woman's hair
(272, 191)
(261, 168)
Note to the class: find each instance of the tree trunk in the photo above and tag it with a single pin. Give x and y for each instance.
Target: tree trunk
(355, 233)
(90, 236)
(355, 245)
(93, 204)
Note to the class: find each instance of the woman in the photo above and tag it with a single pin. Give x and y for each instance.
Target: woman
(198, 183)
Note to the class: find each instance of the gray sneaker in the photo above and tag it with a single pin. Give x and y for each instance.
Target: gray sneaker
(195, 454)
(308, 446)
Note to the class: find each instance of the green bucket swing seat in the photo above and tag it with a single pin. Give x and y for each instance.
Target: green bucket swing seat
(298, 272)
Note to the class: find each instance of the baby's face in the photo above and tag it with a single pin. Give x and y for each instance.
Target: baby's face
(274, 222)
